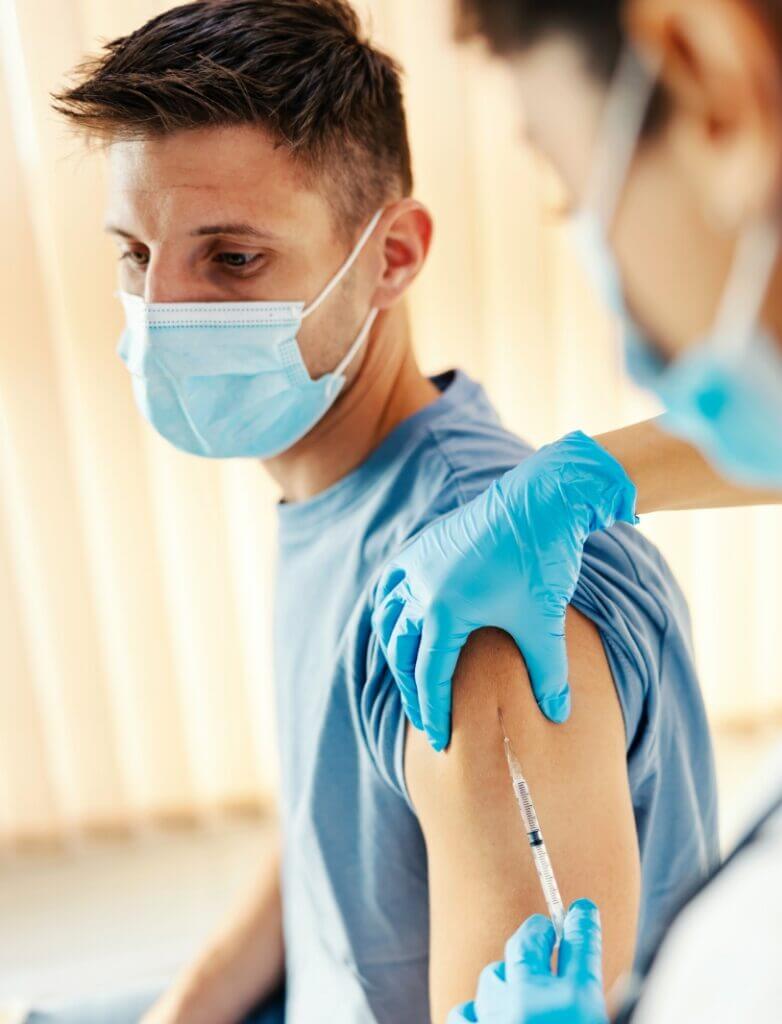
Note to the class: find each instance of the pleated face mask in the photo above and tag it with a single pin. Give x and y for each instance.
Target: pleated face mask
(725, 393)
(227, 380)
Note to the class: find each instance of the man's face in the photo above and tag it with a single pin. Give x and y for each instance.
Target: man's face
(674, 263)
(222, 215)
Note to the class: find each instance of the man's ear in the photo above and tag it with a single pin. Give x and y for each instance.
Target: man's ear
(406, 230)
(721, 64)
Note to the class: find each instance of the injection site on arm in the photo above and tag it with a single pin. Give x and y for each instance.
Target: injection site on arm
(537, 843)
(482, 875)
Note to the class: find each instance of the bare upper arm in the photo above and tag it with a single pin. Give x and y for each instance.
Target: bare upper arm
(482, 881)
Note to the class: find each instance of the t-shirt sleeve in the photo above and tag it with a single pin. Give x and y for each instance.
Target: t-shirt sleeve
(383, 719)
(626, 590)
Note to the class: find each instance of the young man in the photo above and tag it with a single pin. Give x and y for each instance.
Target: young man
(261, 199)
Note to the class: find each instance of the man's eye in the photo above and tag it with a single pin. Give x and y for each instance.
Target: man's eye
(232, 260)
(131, 255)
(238, 260)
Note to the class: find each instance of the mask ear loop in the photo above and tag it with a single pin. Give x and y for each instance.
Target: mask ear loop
(346, 266)
(748, 283)
(619, 131)
(358, 343)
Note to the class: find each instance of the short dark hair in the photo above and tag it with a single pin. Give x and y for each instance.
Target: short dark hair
(299, 69)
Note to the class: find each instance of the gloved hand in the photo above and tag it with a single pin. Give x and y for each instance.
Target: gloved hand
(510, 559)
(522, 989)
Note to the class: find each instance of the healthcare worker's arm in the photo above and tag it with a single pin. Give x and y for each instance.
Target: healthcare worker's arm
(482, 881)
(671, 475)
(240, 967)
(512, 557)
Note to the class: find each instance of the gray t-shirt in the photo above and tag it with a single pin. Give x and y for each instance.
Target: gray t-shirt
(354, 877)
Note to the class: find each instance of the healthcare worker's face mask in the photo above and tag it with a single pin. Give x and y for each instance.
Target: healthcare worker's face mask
(227, 379)
(724, 394)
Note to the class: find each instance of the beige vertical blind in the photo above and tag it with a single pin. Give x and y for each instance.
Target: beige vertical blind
(135, 582)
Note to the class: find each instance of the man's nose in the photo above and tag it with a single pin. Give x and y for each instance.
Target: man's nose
(170, 279)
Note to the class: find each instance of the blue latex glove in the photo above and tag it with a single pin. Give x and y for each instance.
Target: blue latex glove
(510, 559)
(522, 989)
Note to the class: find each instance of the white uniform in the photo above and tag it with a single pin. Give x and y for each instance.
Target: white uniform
(721, 963)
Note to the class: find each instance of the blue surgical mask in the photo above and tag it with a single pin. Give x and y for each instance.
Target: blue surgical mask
(227, 379)
(725, 393)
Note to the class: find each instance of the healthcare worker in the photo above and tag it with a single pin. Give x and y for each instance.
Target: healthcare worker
(664, 118)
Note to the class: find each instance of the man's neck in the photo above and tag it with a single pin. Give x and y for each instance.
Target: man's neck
(388, 389)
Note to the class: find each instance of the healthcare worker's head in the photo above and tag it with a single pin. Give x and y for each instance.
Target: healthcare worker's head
(664, 120)
(260, 184)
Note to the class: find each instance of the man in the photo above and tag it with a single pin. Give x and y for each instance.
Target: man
(261, 198)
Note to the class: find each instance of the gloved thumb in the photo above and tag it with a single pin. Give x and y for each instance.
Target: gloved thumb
(581, 953)
(528, 953)
(545, 654)
(434, 670)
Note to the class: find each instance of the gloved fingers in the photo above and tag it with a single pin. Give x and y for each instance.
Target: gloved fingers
(491, 991)
(437, 658)
(464, 1014)
(399, 635)
(528, 952)
(545, 654)
(581, 952)
(402, 654)
(390, 578)
(385, 616)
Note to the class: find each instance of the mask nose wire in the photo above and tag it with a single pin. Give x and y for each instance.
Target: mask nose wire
(619, 130)
(346, 266)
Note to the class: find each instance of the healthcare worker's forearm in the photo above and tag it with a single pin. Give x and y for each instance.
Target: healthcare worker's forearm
(241, 966)
(671, 475)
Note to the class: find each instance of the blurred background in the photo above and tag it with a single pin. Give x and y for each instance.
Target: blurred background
(137, 754)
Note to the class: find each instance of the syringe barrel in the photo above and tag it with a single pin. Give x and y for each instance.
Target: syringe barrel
(528, 815)
(549, 886)
(540, 855)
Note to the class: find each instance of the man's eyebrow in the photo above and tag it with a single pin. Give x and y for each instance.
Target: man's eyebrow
(233, 229)
(236, 229)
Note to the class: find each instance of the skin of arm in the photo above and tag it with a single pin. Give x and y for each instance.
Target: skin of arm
(672, 475)
(482, 881)
(240, 967)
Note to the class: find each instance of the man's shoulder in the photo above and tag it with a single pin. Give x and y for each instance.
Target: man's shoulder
(452, 453)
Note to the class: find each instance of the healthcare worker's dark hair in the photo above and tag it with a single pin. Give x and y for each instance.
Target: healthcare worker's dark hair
(512, 25)
(299, 69)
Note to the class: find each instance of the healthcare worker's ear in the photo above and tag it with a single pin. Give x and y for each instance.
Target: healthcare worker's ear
(722, 67)
(406, 231)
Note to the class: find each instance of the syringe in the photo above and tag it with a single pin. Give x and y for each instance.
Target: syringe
(540, 855)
